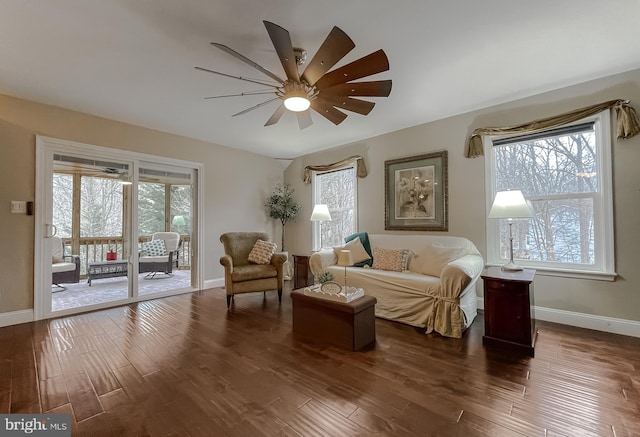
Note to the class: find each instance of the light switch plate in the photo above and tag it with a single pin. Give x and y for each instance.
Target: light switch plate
(18, 206)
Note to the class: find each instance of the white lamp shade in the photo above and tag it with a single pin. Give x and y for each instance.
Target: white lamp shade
(510, 204)
(320, 213)
(345, 258)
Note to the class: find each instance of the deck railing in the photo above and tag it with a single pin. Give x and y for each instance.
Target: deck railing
(94, 249)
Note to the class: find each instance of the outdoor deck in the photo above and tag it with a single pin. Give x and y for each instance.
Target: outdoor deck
(112, 289)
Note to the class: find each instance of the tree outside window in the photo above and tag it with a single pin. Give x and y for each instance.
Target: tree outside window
(336, 189)
(560, 172)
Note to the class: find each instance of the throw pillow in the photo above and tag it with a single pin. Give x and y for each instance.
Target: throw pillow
(364, 239)
(358, 252)
(393, 260)
(437, 257)
(155, 248)
(262, 252)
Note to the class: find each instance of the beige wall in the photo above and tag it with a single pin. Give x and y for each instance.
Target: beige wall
(619, 299)
(235, 186)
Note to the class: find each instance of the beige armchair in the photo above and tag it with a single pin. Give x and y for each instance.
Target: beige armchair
(240, 276)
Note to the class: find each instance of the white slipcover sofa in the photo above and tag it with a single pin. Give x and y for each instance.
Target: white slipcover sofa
(444, 300)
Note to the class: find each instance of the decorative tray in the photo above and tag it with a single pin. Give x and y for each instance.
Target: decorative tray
(334, 292)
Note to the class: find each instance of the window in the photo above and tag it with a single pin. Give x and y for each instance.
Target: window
(337, 189)
(565, 174)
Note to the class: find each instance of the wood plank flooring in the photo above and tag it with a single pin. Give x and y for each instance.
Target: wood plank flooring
(184, 366)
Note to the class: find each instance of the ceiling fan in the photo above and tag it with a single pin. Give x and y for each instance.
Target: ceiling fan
(326, 92)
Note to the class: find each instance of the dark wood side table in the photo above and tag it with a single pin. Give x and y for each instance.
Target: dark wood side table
(508, 310)
(302, 276)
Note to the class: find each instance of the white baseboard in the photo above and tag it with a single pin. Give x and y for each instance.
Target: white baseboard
(213, 283)
(16, 317)
(581, 320)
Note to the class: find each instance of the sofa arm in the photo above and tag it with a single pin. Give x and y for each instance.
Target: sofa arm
(459, 273)
(319, 261)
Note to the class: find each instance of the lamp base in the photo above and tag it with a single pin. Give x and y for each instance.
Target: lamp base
(511, 267)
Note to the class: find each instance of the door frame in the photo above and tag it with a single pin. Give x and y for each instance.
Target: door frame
(45, 148)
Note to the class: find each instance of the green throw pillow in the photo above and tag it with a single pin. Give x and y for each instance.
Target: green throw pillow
(364, 239)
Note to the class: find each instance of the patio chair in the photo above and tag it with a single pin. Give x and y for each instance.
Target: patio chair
(65, 269)
(160, 255)
(241, 276)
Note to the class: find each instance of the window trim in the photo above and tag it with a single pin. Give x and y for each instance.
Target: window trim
(604, 242)
(315, 226)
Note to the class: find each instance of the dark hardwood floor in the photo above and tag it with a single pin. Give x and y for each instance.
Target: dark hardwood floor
(183, 366)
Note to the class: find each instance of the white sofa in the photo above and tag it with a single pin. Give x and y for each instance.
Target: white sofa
(446, 304)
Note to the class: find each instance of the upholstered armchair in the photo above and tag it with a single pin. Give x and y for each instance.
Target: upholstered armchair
(65, 269)
(241, 276)
(155, 259)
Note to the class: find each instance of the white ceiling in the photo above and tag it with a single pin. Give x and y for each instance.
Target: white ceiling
(132, 60)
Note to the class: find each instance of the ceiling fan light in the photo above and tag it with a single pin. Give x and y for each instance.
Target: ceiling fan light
(297, 103)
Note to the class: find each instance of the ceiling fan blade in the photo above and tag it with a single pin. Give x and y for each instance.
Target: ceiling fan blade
(347, 103)
(373, 63)
(282, 42)
(247, 61)
(379, 88)
(255, 107)
(250, 93)
(275, 117)
(335, 47)
(327, 111)
(236, 77)
(304, 119)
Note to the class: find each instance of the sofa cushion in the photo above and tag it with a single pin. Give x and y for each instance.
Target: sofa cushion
(154, 248)
(262, 252)
(434, 257)
(394, 260)
(364, 239)
(250, 272)
(358, 251)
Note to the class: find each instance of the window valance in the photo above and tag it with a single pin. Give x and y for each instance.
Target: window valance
(361, 169)
(628, 124)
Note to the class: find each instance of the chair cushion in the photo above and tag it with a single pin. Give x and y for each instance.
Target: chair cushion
(62, 267)
(253, 271)
(262, 252)
(154, 248)
(154, 259)
(57, 250)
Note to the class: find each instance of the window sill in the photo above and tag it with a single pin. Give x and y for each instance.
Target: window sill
(566, 273)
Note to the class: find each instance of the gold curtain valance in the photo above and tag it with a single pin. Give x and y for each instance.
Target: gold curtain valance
(627, 120)
(361, 169)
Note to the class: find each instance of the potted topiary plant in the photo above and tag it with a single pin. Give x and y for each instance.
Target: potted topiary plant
(282, 206)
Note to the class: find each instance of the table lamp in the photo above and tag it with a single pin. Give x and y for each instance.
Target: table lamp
(345, 259)
(510, 205)
(320, 214)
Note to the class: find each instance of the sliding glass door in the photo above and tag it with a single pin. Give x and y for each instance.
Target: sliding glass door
(111, 228)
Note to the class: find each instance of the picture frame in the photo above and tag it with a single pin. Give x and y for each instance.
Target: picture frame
(416, 193)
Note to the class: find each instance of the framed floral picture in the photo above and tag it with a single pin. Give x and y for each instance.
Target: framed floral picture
(416, 193)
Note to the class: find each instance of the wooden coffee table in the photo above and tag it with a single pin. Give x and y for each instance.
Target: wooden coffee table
(349, 325)
(106, 269)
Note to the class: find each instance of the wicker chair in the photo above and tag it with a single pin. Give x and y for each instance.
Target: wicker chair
(65, 269)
